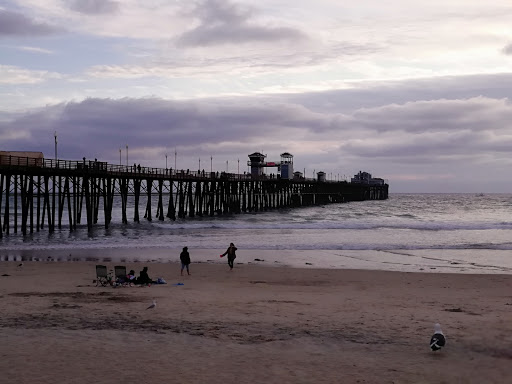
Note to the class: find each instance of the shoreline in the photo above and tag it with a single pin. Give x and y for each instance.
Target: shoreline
(302, 325)
(422, 261)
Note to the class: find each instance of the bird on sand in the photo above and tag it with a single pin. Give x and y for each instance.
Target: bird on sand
(153, 305)
(438, 340)
(20, 265)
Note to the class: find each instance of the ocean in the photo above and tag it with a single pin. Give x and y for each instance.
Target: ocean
(461, 233)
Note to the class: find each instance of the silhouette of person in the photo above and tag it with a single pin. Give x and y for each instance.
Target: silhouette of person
(231, 252)
(185, 260)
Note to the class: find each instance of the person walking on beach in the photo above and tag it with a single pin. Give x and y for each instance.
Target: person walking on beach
(185, 260)
(231, 255)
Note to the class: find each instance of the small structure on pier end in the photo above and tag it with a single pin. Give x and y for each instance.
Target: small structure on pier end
(366, 178)
(297, 175)
(286, 166)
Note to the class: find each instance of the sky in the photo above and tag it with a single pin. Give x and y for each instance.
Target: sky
(414, 92)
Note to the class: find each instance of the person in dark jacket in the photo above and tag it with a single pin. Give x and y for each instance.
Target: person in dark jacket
(231, 255)
(185, 260)
(144, 277)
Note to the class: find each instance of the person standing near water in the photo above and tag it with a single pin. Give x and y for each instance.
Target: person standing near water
(231, 255)
(185, 260)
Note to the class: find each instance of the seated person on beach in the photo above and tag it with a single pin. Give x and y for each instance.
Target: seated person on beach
(130, 277)
(144, 277)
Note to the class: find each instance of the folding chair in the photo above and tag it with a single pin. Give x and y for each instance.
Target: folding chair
(120, 275)
(101, 275)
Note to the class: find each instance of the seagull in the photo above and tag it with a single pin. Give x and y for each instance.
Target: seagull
(152, 305)
(438, 340)
(20, 265)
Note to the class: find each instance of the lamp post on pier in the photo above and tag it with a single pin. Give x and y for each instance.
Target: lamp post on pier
(175, 154)
(166, 160)
(211, 164)
(120, 162)
(199, 165)
(55, 136)
(227, 166)
(126, 154)
(238, 166)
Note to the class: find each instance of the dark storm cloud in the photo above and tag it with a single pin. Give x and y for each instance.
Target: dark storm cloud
(94, 7)
(223, 22)
(429, 148)
(437, 115)
(17, 24)
(429, 132)
(427, 129)
(100, 123)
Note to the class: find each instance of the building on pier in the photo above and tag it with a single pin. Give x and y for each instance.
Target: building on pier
(366, 178)
(24, 158)
(284, 166)
(256, 162)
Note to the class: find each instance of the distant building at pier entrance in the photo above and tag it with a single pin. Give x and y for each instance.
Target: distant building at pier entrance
(27, 158)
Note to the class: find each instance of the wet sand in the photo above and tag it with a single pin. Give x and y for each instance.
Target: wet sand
(254, 324)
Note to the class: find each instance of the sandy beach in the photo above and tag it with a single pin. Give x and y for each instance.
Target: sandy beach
(255, 324)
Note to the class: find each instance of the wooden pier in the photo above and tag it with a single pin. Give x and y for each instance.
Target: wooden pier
(37, 194)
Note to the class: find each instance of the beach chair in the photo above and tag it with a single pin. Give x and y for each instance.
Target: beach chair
(101, 275)
(120, 275)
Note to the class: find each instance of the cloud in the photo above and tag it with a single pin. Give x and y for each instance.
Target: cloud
(94, 7)
(14, 75)
(17, 24)
(437, 115)
(507, 49)
(223, 22)
(286, 61)
(208, 68)
(36, 50)
(373, 94)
